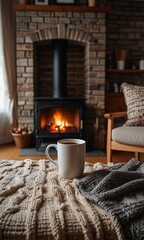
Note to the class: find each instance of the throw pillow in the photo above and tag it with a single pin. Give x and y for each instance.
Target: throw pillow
(134, 98)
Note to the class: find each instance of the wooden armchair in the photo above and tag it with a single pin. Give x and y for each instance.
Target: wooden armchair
(124, 138)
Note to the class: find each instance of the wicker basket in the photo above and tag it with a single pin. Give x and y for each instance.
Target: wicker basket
(22, 140)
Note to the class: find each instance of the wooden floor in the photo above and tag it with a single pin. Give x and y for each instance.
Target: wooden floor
(10, 152)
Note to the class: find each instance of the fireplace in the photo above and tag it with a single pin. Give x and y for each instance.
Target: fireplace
(58, 118)
(87, 82)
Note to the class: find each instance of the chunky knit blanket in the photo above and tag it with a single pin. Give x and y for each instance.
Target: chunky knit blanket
(36, 203)
(119, 190)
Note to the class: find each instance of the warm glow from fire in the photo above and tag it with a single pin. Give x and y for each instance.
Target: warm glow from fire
(61, 124)
(59, 121)
(58, 118)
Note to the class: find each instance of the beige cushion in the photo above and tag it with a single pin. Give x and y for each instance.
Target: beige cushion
(134, 98)
(129, 135)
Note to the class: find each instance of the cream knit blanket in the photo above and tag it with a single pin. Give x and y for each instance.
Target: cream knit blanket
(37, 203)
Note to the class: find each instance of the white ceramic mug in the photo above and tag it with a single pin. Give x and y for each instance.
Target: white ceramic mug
(70, 157)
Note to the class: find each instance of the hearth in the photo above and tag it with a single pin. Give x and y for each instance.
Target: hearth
(85, 33)
(57, 118)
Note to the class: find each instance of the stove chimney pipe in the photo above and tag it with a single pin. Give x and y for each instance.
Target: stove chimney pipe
(59, 68)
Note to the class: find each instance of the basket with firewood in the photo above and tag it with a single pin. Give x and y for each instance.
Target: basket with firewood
(22, 136)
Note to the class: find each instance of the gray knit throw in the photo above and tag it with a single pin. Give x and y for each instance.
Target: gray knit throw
(119, 189)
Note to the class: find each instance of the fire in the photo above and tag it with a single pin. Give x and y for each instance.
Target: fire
(60, 123)
(58, 118)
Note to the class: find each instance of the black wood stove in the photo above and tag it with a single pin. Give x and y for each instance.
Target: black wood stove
(58, 116)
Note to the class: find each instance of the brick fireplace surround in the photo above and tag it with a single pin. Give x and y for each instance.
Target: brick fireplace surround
(86, 29)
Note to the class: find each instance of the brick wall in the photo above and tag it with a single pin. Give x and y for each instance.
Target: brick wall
(36, 26)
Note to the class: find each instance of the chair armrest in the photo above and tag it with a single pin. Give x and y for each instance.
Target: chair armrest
(111, 118)
(115, 115)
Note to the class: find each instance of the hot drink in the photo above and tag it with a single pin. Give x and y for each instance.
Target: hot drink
(70, 143)
(70, 157)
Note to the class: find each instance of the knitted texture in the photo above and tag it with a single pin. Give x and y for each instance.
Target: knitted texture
(134, 99)
(36, 203)
(119, 190)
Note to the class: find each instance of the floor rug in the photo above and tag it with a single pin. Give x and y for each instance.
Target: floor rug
(41, 152)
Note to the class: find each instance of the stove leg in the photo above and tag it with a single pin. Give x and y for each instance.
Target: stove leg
(38, 143)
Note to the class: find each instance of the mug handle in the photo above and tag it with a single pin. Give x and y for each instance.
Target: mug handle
(47, 152)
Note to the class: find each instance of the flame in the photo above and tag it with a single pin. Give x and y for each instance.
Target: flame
(60, 123)
(58, 118)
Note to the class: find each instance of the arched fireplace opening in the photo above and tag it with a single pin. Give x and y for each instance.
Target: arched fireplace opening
(59, 110)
